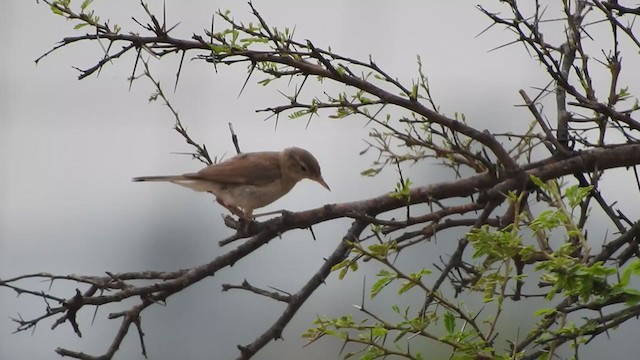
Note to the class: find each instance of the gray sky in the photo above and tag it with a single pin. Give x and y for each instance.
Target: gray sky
(68, 150)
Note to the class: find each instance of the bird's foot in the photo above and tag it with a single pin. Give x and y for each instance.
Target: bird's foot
(236, 211)
(240, 224)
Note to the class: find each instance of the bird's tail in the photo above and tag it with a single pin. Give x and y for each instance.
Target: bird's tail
(159, 178)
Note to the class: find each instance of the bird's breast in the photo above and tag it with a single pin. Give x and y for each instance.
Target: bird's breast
(252, 196)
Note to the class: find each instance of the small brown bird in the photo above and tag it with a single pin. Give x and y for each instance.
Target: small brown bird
(252, 180)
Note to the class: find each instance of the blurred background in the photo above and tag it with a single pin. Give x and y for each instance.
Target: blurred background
(69, 148)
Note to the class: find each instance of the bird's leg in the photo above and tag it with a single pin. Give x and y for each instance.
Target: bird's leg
(233, 209)
(245, 220)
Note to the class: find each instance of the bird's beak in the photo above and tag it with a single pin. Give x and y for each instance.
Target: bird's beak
(320, 181)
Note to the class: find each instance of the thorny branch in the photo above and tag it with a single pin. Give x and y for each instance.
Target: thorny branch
(492, 172)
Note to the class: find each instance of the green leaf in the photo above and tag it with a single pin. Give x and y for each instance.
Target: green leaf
(576, 194)
(489, 291)
(421, 273)
(353, 266)
(403, 189)
(624, 92)
(380, 250)
(56, 10)
(414, 91)
(547, 220)
(406, 286)
(379, 331)
(395, 308)
(631, 291)
(544, 312)
(385, 278)
(80, 26)
(449, 322)
(220, 49)
(632, 269)
(343, 273)
(298, 114)
(400, 335)
(340, 265)
(344, 267)
(536, 180)
(369, 172)
(265, 82)
(85, 4)
(344, 321)
(252, 40)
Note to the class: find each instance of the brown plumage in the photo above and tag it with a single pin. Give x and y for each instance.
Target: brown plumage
(251, 180)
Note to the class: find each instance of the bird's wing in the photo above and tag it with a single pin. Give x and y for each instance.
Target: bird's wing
(250, 168)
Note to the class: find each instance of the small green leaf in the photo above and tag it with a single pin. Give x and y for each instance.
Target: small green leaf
(379, 331)
(254, 40)
(576, 194)
(385, 278)
(220, 49)
(400, 335)
(406, 286)
(80, 26)
(403, 189)
(631, 291)
(85, 4)
(369, 172)
(343, 273)
(265, 82)
(544, 312)
(340, 265)
(55, 9)
(632, 269)
(379, 250)
(536, 180)
(449, 322)
(395, 308)
(353, 266)
(414, 91)
(489, 291)
(297, 114)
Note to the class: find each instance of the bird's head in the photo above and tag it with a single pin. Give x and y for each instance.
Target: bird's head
(300, 164)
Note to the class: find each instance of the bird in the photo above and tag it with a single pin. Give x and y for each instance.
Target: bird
(249, 181)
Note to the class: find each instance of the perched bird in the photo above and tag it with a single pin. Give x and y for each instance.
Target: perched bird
(251, 180)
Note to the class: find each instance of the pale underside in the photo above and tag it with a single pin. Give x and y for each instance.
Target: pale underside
(247, 197)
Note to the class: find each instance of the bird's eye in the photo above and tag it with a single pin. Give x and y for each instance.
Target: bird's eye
(303, 168)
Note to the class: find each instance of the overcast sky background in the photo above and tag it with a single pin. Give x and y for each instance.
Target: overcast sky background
(69, 148)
